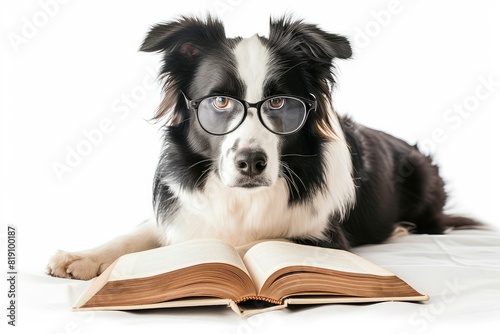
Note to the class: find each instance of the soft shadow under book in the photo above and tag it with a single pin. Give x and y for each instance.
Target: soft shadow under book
(266, 276)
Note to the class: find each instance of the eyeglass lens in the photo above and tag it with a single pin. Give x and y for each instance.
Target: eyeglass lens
(221, 114)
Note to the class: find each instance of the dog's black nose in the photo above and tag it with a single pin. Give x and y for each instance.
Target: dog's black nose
(250, 162)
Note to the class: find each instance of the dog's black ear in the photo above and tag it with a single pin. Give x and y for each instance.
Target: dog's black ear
(304, 44)
(186, 36)
(181, 42)
(309, 40)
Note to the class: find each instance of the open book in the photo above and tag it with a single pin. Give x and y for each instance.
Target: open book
(269, 275)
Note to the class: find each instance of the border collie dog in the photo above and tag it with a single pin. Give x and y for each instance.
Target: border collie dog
(253, 149)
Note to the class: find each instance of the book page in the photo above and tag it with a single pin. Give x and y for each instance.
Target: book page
(265, 258)
(243, 249)
(169, 258)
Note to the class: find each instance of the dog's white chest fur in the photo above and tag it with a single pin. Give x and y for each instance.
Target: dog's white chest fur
(240, 216)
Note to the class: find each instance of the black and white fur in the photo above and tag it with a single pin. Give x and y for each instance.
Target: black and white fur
(335, 183)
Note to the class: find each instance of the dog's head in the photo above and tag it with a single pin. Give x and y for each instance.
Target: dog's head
(246, 104)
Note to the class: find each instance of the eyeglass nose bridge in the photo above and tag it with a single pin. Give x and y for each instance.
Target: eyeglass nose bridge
(253, 108)
(255, 105)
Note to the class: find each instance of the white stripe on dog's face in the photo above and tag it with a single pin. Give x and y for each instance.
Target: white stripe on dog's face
(252, 59)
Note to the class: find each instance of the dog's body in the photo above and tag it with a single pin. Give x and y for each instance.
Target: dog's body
(332, 183)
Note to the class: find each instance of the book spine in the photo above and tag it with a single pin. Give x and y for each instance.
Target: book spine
(266, 299)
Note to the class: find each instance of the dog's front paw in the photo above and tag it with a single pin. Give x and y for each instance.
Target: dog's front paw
(75, 265)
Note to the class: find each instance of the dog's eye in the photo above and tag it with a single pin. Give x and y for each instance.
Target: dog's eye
(276, 103)
(221, 102)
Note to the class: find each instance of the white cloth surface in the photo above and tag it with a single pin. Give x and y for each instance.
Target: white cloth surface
(460, 271)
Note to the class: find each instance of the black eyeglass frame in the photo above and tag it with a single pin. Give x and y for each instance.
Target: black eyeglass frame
(310, 105)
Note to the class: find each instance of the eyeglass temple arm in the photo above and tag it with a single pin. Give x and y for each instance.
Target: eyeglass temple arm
(315, 103)
(188, 101)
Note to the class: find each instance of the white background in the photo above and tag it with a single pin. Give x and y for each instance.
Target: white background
(68, 68)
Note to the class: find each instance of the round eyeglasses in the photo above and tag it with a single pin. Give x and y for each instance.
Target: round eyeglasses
(280, 114)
